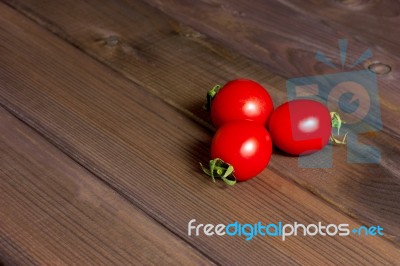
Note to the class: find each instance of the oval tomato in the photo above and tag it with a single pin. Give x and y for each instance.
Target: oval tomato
(300, 126)
(241, 99)
(244, 145)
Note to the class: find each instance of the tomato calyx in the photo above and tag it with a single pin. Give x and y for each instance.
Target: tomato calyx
(219, 168)
(337, 123)
(210, 96)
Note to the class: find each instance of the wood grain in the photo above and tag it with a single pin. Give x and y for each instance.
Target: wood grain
(177, 64)
(54, 212)
(372, 22)
(285, 35)
(149, 153)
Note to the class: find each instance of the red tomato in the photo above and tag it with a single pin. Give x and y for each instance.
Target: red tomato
(241, 99)
(245, 145)
(300, 127)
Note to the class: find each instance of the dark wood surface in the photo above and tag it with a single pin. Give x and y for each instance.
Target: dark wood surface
(113, 90)
(54, 211)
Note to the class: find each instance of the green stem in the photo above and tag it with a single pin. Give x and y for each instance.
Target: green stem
(337, 123)
(218, 168)
(210, 96)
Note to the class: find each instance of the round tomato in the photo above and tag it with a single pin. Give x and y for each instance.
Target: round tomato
(244, 145)
(241, 99)
(300, 126)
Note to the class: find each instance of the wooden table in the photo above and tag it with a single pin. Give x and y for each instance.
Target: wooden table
(102, 129)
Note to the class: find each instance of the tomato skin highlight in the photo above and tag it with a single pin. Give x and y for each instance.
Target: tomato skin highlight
(300, 127)
(245, 145)
(241, 99)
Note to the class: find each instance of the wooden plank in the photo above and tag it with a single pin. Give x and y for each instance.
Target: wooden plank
(177, 64)
(285, 36)
(54, 212)
(156, 52)
(149, 152)
(376, 22)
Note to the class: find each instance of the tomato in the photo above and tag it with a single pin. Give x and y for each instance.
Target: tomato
(241, 99)
(300, 126)
(244, 145)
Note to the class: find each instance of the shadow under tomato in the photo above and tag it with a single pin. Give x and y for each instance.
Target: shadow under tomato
(277, 151)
